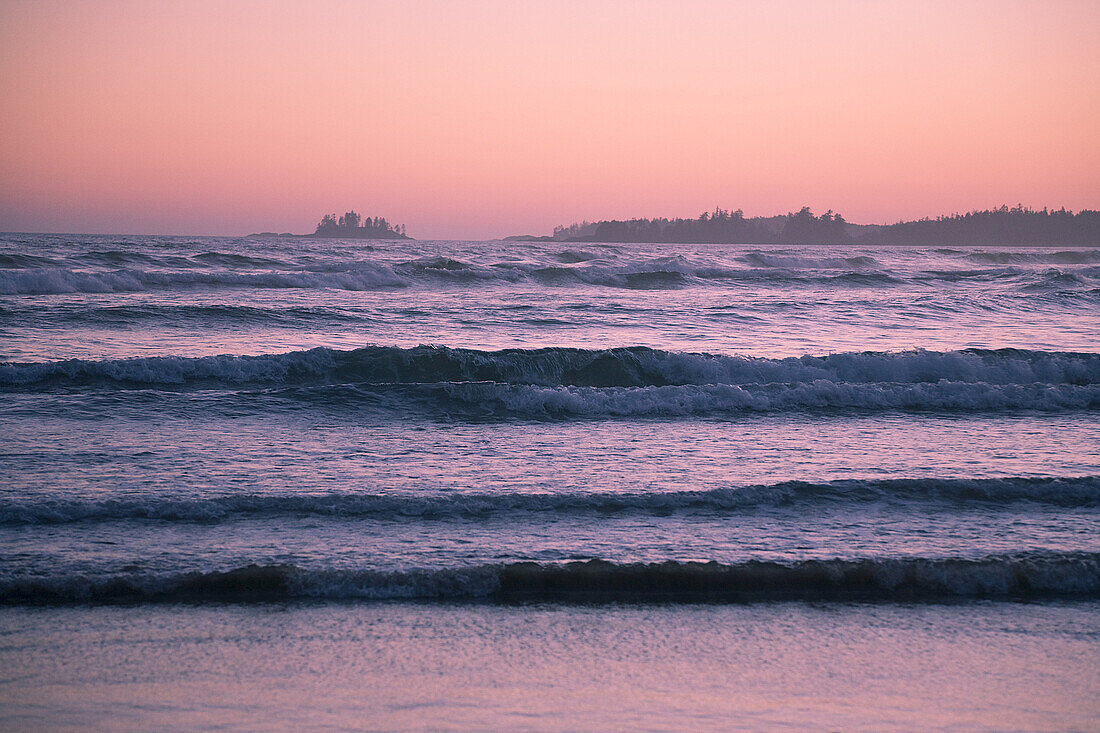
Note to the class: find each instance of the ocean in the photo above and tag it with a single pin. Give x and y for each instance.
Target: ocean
(271, 483)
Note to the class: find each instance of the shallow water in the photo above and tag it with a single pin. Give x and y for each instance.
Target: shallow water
(976, 666)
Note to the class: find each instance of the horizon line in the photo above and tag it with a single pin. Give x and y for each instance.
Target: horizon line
(596, 221)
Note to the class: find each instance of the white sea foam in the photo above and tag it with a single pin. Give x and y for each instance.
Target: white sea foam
(674, 401)
(562, 383)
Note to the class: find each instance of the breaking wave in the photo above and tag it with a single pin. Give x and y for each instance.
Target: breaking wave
(120, 271)
(1067, 257)
(562, 383)
(1073, 492)
(79, 314)
(488, 400)
(769, 259)
(1017, 577)
(55, 280)
(568, 367)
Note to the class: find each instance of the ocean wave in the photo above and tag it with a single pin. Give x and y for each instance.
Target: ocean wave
(123, 258)
(232, 259)
(1021, 280)
(83, 314)
(1017, 577)
(138, 272)
(568, 367)
(573, 256)
(490, 402)
(119, 258)
(771, 259)
(54, 280)
(1065, 257)
(1070, 492)
(15, 260)
(493, 400)
(668, 273)
(560, 383)
(640, 279)
(1059, 280)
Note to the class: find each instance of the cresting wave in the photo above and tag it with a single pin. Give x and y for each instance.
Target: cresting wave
(785, 260)
(1064, 257)
(489, 401)
(558, 367)
(1074, 492)
(159, 315)
(122, 258)
(134, 272)
(557, 383)
(1019, 577)
(44, 281)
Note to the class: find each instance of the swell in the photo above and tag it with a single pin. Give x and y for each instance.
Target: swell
(43, 281)
(213, 315)
(134, 272)
(1064, 257)
(525, 401)
(918, 493)
(490, 401)
(1016, 577)
(777, 259)
(19, 313)
(560, 367)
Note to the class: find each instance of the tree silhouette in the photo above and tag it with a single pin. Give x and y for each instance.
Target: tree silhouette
(353, 226)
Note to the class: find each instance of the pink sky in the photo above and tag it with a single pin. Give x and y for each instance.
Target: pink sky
(483, 118)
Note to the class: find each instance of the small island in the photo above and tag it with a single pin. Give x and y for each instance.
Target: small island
(353, 226)
(349, 226)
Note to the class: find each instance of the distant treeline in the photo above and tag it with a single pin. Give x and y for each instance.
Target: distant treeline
(353, 226)
(1017, 225)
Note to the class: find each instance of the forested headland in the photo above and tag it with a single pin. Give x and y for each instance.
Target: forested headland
(1001, 226)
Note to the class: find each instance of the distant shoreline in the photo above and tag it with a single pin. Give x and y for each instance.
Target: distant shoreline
(551, 240)
(1001, 227)
(389, 236)
(864, 243)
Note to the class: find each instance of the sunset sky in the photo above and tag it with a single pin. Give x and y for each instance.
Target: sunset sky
(484, 118)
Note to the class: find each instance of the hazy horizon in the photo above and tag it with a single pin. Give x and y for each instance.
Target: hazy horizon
(488, 118)
(309, 230)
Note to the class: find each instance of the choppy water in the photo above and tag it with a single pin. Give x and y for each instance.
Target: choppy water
(239, 418)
